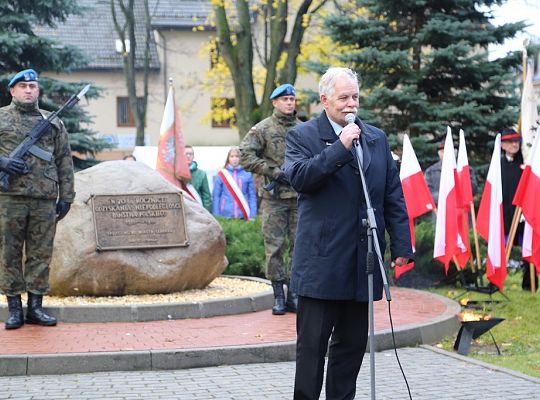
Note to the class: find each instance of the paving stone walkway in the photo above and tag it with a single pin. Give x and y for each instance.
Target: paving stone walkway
(432, 374)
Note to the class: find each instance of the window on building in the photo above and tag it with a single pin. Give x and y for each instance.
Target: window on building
(124, 115)
(223, 112)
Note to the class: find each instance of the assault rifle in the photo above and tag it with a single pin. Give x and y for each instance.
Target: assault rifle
(40, 129)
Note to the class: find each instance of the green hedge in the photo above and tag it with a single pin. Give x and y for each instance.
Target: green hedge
(245, 247)
(245, 252)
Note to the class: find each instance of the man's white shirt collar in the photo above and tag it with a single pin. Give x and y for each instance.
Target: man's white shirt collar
(356, 150)
(337, 127)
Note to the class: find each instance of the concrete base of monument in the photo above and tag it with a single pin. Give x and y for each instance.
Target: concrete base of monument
(226, 295)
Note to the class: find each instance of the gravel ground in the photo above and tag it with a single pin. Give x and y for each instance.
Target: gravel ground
(221, 287)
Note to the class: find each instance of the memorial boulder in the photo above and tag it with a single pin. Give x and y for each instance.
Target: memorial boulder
(129, 231)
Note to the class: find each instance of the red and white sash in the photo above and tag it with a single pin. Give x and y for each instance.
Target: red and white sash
(235, 192)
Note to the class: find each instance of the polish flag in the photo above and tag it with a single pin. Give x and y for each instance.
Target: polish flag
(526, 197)
(465, 198)
(531, 247)
(464, 174)
(528, 113)
(490, 220)
(448, 242)
(417, 196)
(171, 161)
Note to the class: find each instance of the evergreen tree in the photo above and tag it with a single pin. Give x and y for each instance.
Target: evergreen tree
(423, 65)
(21, 48)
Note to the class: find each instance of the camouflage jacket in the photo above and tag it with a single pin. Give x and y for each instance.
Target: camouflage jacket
(47, 179)
(263, 152)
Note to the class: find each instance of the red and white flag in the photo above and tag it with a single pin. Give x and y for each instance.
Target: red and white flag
(171, 160)
(490, 220)
(464, 174)
(417, 196)
(448, 242)
(528, 113)
(531, 247)
(527, 195)
(464, 198)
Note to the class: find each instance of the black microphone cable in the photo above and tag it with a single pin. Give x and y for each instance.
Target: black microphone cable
(394, 340)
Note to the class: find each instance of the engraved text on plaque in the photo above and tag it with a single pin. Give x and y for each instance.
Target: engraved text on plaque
(139, 221)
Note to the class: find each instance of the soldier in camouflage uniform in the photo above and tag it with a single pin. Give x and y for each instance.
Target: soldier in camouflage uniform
(40, 193)
(263, 152)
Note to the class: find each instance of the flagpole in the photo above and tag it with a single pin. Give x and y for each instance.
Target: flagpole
(476, 244)
(524, 62)
(532, 273)
(512, 232)
(464, 216)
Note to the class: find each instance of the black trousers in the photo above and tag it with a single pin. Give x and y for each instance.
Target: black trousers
(345, 323)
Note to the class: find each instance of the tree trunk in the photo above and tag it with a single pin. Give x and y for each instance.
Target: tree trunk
(238, 55)
(127, 30)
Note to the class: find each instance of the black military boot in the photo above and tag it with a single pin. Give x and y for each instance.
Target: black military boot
(292, 300)
(35, 313)
(16, 318)
(279, 298)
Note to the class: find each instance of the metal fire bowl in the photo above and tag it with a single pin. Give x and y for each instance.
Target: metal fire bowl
(470, 330)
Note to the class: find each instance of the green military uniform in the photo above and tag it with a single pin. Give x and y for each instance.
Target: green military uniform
(200, 183)
(28, 208)
(263, 153)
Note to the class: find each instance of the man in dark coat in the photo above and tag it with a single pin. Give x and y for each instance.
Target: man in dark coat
(329, 261)
(511, 170)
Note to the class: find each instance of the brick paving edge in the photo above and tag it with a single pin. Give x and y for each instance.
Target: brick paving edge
(71, 363)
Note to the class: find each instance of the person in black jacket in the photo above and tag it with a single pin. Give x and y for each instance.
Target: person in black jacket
(511, 170)
(329, 261)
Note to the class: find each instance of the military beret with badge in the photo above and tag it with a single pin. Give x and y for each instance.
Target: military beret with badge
(283, 90)
(27, 75)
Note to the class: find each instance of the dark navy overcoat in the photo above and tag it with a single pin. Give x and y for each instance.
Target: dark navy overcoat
(329, 260)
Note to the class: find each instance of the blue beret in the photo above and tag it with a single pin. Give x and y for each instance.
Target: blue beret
(28, 75)
(284, 90)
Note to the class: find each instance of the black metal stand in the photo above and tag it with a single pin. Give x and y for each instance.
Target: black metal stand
(373, 244)
(490, 289)
(470, 330)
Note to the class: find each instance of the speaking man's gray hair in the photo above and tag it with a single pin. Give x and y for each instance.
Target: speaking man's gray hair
(326, 84)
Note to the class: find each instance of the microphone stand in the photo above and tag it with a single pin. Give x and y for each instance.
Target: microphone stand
(373, 243)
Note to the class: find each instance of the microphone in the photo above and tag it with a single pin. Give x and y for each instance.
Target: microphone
(349, 119)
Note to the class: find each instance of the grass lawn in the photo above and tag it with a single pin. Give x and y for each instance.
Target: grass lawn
(518, 336)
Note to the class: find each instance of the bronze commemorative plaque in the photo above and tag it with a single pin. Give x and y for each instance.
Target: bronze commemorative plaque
(136, 221)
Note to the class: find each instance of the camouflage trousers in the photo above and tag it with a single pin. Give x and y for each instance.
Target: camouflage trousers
(279, 218)
(28, 225)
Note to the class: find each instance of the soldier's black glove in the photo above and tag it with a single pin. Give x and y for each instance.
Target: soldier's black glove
(13, 166)
(62, 208)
